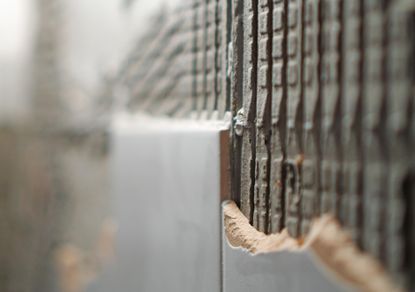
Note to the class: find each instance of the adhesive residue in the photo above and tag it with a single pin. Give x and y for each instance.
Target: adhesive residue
(332, 245)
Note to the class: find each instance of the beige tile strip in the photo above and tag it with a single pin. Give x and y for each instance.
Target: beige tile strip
(331, 244)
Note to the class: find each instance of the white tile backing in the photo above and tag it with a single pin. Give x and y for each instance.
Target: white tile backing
(166, 191)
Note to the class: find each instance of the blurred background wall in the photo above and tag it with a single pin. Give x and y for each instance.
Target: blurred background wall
(57, 58)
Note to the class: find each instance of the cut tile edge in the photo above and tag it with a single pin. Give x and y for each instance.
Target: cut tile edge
(327, 241)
